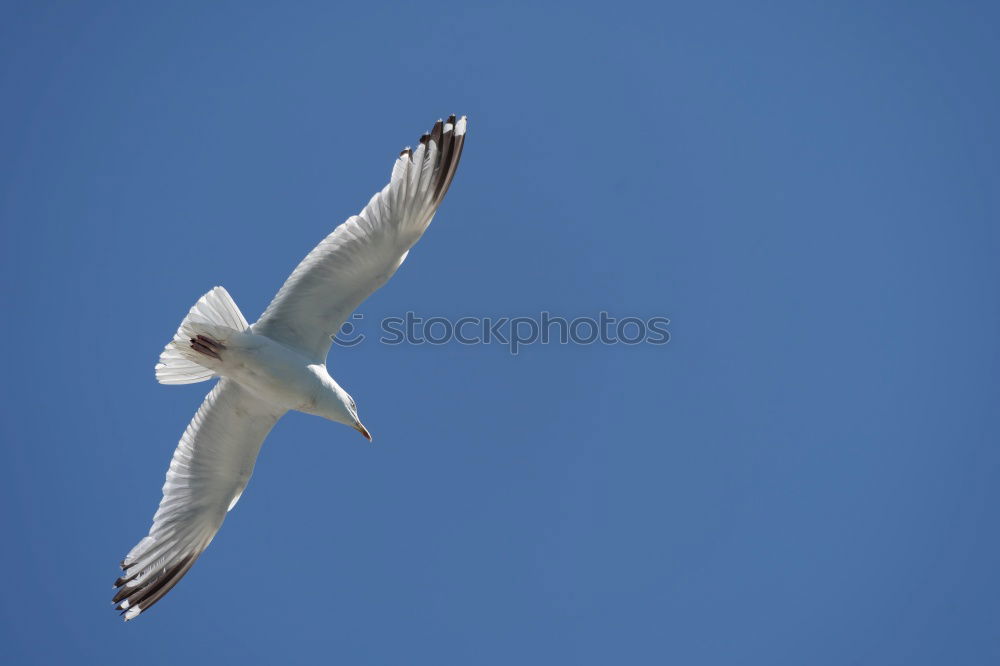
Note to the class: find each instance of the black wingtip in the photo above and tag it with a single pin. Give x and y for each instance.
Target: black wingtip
(449, 150)
(121, 580)
(450, 146)
(437, 131)
(121, 594)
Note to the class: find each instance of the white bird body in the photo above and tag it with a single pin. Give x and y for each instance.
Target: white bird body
(280, 376)
(276, 365)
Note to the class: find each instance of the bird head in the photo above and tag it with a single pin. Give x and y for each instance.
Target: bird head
(336, 404)
(352, 412)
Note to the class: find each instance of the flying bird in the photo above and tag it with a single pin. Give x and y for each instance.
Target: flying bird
(276, 364)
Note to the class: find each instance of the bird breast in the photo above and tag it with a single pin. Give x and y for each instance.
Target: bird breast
(272, 371)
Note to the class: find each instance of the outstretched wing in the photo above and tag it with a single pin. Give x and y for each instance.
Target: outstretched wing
(363, 252)
(210, 468)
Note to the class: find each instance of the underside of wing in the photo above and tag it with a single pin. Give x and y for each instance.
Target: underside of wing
(363, 252)
(209, 470)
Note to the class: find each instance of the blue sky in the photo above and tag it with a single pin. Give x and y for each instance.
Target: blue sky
(805, 474)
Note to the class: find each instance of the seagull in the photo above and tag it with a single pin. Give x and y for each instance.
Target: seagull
(275, 365)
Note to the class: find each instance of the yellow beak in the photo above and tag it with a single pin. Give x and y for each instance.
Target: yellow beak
(363, 430)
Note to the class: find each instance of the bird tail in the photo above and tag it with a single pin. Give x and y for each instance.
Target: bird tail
(199, 338)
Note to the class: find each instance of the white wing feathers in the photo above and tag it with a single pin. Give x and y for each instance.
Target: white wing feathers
(209, 470)
(363, 252)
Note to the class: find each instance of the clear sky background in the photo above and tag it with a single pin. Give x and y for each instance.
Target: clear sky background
(806, 473)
